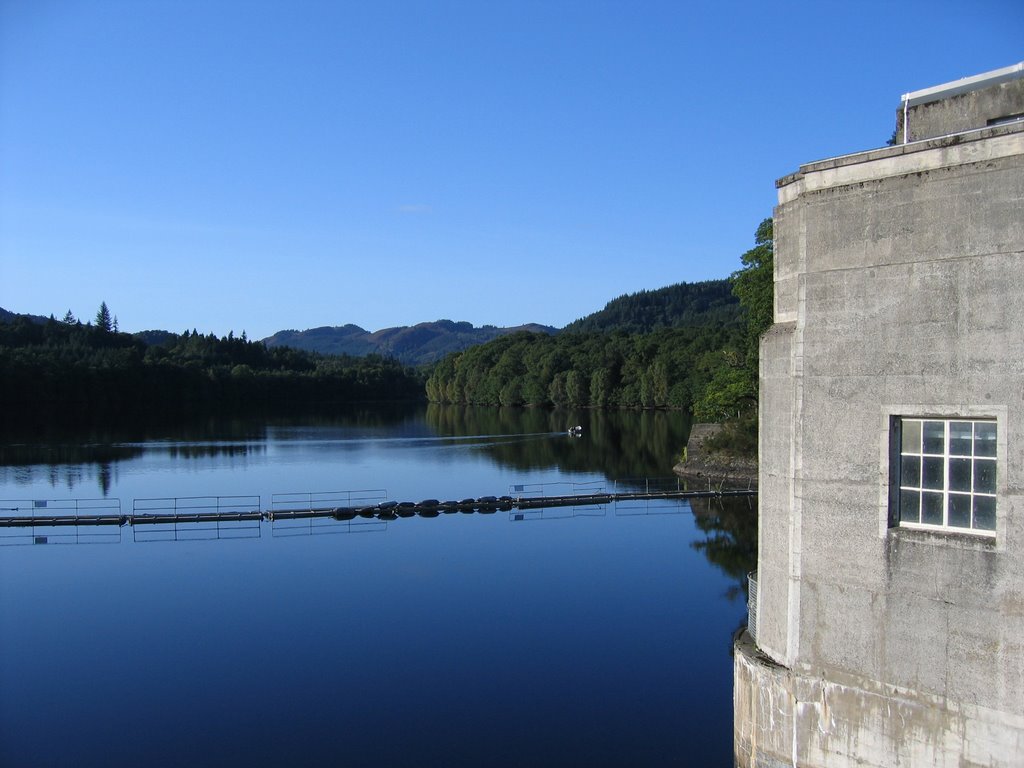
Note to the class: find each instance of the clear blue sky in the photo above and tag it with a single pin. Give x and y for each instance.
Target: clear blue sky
(266, 165)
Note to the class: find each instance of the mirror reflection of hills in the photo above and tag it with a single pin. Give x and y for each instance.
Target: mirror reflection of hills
(74, 459)
(65, 465)
(24, 455)
(616, 443)
(95, 460)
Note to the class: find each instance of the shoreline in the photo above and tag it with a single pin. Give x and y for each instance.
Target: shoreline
(715, 467)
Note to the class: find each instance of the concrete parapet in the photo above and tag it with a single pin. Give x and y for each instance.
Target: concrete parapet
(987, 99)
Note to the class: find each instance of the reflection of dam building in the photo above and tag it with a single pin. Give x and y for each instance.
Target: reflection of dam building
(889, 600)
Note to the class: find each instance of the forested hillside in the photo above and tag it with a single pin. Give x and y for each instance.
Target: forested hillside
(683, 305)
(67, 372)
(9, 317)
(695, 349)
(666, 368)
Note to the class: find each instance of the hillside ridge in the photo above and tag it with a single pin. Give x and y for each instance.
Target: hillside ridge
(680, 305)
(418, 344)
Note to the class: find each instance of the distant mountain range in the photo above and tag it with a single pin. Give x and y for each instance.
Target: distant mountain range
(680, 305)
(412, 345)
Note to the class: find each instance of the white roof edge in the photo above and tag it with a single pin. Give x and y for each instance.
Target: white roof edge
(964, 84)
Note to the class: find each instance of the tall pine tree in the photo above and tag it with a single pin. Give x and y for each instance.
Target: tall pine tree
(103, 321)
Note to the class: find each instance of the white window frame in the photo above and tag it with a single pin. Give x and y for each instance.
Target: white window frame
(919, 484)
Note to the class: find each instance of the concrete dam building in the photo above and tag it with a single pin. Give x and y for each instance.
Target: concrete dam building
(887, 612)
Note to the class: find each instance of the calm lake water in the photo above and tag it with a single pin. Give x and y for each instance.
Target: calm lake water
(594, 636)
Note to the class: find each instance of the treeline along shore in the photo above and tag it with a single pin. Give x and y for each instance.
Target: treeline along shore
(69, 373)
(668, 368)
(689, 346)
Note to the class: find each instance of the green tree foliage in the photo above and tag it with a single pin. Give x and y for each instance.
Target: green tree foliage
(732, 389)
(57, 372)
(754, 286)
(103, 321)
(677, 306)
(696, 347)
(602, 370)
(653, 349)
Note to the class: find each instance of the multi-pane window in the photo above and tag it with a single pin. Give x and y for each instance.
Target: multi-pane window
(947, 473)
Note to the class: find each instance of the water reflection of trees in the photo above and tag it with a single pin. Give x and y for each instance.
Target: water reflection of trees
(618, 444)
(212, 450)
(730, 543)
(360, 416)
(26, 454)
(71, 465)
(73, 458)
(65, 465)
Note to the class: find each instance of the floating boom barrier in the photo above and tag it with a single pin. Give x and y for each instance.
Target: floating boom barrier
(384, 510)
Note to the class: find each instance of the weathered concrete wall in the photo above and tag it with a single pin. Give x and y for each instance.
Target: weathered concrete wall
(899, 292)
(962, 112)
(795, 718)
(777, 413)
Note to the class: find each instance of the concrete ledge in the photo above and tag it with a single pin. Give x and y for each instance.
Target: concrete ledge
(916, 157)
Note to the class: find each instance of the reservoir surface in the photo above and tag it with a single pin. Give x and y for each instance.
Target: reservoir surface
(594, 635)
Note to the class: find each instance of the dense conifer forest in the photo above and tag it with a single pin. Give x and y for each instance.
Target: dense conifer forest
(683, 305)
(69, 373)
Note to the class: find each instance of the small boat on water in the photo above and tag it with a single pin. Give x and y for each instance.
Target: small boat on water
(576, 431)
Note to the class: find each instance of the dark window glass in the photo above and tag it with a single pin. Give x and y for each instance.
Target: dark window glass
(960, 475)
(931, 508)
(960, 510)
(960, 438)
(947, 473)
(985, 439)
(910, 471)
(934, 437)
(910, 506)
(984, 476)
(985, 513)
(933, 472)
